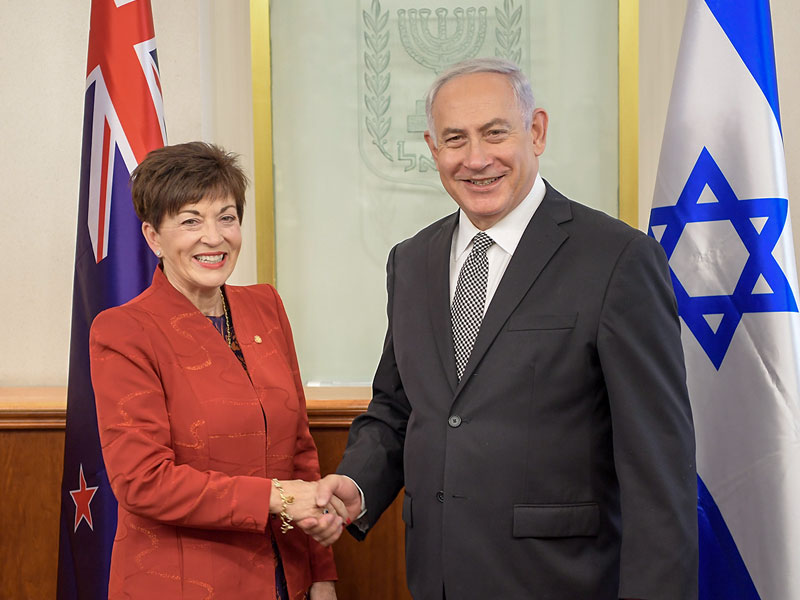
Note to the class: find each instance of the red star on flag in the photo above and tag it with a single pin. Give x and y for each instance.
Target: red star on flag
(82, 497)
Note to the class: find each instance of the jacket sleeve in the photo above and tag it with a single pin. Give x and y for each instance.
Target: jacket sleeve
(136, 441)
(374, 454)
(306, 460)
(639, 342)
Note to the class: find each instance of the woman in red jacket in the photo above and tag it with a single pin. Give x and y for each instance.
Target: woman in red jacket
(201, 410)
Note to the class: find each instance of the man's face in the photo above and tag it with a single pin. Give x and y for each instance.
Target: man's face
(487, 159)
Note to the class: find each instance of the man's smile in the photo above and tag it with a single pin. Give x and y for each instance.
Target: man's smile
(483, 182)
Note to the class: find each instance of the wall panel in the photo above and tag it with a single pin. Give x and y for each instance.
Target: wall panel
(31, 457)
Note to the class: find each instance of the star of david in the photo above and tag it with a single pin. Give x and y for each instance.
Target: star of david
(82, 497)
(758, 222)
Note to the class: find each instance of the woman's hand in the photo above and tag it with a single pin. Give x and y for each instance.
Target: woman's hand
(340, 492)
(299, 502)
(322, 590)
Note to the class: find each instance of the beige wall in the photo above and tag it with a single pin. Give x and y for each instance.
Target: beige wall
(204, 56)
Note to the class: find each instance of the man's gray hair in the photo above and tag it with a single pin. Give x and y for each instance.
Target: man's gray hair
(519, 84)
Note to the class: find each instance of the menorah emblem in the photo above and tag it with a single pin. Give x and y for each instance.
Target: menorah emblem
(437, 51)
(399, 48)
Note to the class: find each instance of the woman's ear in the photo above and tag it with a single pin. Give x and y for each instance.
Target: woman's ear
(152, 238)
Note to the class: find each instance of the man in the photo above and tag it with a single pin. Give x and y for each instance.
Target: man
(531, 393)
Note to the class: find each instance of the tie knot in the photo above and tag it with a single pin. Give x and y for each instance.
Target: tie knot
(481, 242)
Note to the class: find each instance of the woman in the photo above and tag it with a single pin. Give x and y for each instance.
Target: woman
(200, 407)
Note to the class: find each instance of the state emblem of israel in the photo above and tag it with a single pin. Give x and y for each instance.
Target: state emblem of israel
(402, 48)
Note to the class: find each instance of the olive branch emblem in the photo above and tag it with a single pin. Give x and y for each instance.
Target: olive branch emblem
(433, 38)
(508, 31)
(376, 76)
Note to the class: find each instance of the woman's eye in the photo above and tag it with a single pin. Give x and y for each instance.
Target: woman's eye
(190, 222)
(228, 218)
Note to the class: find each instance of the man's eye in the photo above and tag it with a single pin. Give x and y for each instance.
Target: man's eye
(453, 139)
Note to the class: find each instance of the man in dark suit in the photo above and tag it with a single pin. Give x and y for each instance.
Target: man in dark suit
(531, 394)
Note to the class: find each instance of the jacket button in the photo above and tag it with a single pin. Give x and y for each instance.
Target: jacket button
(440, 496)
(454, 421)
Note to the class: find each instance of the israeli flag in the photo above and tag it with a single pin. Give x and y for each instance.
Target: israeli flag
(721, 212)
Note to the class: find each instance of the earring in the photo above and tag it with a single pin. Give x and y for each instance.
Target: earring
(158, 253)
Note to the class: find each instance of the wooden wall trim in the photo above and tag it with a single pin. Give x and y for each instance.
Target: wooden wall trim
(32, 407)
(46, 407)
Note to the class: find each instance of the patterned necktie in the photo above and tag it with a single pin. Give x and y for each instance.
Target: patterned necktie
(466, 313)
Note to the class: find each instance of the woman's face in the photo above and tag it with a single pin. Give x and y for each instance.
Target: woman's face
(199, 245)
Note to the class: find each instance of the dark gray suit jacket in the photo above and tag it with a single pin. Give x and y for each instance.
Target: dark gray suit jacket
(562, 465)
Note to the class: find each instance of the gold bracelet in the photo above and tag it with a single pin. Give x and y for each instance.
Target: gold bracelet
(286, 519)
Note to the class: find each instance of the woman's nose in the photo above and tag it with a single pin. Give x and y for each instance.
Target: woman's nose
(212, 235)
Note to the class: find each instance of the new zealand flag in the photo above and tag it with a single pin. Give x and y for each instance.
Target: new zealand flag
(123, 120)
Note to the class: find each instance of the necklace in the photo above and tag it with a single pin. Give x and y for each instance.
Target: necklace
(227, 318)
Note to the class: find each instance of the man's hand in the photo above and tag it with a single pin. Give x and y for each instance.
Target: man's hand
(341, 487)
(338, 491)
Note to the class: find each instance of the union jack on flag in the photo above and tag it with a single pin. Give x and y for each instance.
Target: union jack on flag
(123, 121)
(127, 109)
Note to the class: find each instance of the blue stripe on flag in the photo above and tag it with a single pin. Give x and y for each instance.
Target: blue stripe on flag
(748, 25)
(725, 575)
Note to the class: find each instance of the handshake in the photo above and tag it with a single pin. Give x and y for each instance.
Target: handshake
(319, 508)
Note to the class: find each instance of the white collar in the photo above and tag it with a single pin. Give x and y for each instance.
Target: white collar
(507, 232)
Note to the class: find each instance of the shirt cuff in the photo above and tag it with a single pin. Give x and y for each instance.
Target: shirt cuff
(360, 522)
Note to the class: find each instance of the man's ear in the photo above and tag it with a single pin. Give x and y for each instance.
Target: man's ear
(539, 130)
(432, 145)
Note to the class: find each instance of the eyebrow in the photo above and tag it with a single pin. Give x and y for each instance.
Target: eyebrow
(450, 130)
(197, 212)
(483, 128)
(494, 123)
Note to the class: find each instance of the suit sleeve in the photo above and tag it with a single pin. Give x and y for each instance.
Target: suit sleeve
(374, 454)
(135, 438)
(640, 351)
(306, 459)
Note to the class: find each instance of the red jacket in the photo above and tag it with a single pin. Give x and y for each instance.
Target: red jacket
(188, 452)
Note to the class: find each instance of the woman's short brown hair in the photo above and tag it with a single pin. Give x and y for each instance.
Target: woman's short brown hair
(171, 177)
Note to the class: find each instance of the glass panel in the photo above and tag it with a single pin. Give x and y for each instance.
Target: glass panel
(353, 175)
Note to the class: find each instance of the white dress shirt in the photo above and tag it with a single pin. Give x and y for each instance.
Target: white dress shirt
(506, 234)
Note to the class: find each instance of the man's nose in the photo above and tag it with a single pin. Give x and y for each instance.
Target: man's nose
(477, 157)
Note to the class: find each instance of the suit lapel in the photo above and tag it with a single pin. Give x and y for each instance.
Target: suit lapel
(541, 239)
(439, 296)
